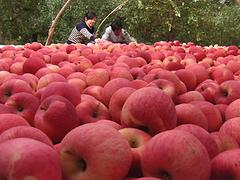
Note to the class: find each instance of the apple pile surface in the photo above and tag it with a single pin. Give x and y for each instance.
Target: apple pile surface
(104, 111)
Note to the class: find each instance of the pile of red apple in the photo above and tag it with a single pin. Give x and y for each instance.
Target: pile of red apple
(105, 111)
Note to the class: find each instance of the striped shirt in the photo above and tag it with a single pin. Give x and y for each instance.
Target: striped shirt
(124, 37)
(81, 33)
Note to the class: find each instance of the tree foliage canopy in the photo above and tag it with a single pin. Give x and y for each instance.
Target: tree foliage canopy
(204, 22)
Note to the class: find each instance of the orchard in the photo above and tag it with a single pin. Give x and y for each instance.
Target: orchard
(105, 111)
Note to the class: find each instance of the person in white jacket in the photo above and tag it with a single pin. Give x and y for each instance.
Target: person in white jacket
(116, 34)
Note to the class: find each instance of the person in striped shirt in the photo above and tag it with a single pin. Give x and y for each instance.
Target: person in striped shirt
(116, 34)
(83, 32)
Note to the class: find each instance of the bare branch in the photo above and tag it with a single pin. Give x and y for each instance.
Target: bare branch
(54, 22)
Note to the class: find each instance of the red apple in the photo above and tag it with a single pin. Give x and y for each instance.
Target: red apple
(56, 116)
(25, 132)
(102, 153)
(159, 115)
(24, 104)
(225, 165)
(170, 155)
(63, 89)
(212, 114)
(136, 139)
(190, 114)
(25, 158)
(224, 141)
(92, 111)
(203, 136)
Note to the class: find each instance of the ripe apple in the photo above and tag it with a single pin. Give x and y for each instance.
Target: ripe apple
(12, 86)
(221, 74)
(208, 89)
(56, 116)
(189, 114)
(92, 111)
(170, 154)
(159, 116)
(188, 97)
(8, 120)
(232, 110)
(102, 153)
(112, 86)
(203, 136)
(25, 132)
(232, 128)
(224, 141)
(188, 78)
(225, 165)
(212, 114)
(63, 89)
(25, 158)
(33, 64)
(24, 104)
(49, 78)
(136, 139)
(228, 92)
(97, 77)
(117, 101)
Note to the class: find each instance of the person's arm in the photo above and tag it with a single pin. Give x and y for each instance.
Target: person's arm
(127, 37)
(106, 34)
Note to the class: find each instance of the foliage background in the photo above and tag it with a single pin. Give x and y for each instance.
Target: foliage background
(204, 22)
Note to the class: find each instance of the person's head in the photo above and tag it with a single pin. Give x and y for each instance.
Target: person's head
(116, 27)
(90, 18)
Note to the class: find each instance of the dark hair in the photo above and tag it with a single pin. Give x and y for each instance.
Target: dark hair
(90, 15)
(116, 25)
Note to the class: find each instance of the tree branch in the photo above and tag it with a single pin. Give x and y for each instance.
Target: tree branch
(54, 22)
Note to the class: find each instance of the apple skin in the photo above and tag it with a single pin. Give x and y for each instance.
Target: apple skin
(136, 139)
(221, 74)
(226, 165)
(168, 75)
(95, 91)
(208, 89)
(110, 123)
(188, 97)
(9, 120)
(112, 86)
(97, 77)
(212, 114)
(200, 72)
(231, 127)
(47, 79)
(33, 64)
(188, 78)
(12, 86)
(228, 92)
(117, 101)
(185, 113)
(144, 178)
(203, 136)
(224, 141)
(56, 116)
(37, 161)
(168, 157)
(92, 111)
(63, 89)
(159, 116)
(167, 86)
(101, 154)
(25, 132)
(232, 110)
(24, 104)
